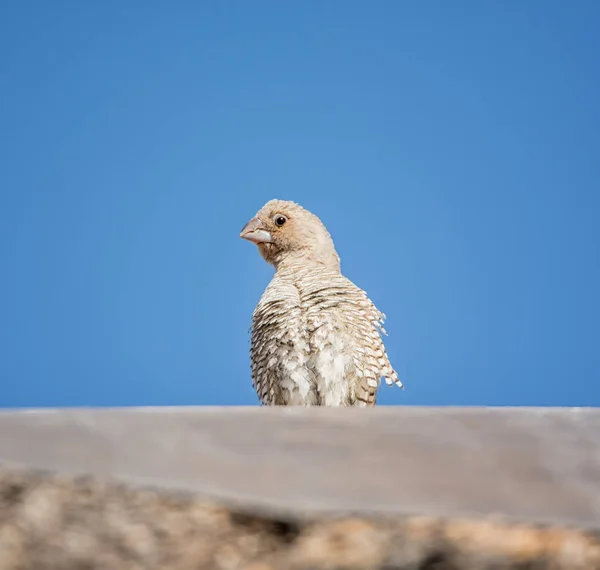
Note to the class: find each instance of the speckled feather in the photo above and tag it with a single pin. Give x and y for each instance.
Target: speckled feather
(315, 336)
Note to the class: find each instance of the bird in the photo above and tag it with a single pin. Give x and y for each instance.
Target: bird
(315, 337)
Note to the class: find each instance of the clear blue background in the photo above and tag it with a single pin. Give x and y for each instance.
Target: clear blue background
(452, 149)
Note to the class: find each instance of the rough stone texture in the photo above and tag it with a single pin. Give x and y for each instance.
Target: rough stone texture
(63, 523)
(388, 488)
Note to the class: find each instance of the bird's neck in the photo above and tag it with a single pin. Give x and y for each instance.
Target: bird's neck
(296, 261)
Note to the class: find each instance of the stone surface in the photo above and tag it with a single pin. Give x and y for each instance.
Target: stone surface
(60, 523)
(404, 488)
(531, 464)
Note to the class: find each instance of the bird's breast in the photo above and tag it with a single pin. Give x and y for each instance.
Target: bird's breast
(303, 344)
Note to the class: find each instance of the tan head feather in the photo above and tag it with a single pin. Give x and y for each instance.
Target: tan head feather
(286, 232)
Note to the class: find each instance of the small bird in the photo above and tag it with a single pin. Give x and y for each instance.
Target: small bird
(315, 336)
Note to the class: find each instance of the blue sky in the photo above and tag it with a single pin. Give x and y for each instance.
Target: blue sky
(451, 148)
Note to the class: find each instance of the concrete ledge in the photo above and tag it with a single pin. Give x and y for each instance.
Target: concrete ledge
(300, 488)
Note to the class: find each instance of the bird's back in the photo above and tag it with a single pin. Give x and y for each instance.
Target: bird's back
(316, 341)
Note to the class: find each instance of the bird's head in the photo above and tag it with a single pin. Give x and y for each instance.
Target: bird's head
(285, 232)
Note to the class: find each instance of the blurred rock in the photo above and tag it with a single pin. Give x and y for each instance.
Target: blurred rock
(389, 488)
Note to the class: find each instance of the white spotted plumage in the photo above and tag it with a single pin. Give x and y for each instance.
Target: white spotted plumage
(315, 335)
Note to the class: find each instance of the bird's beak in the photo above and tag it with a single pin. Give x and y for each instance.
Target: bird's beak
(254, 231)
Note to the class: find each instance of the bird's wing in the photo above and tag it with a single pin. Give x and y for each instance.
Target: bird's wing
(340, 312)
(278, 346)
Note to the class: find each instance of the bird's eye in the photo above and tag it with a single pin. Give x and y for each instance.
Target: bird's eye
(279, 220)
